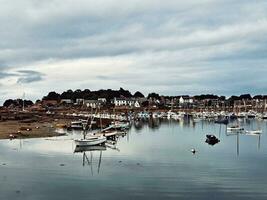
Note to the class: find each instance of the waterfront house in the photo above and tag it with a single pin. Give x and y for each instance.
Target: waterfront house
(186, 100)
(128, 102)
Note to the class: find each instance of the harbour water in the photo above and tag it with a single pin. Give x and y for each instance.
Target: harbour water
(153, 161)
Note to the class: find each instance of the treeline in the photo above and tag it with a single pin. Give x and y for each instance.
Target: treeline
(92, 95)
(110, 94)
(121, 93)
(17, 103)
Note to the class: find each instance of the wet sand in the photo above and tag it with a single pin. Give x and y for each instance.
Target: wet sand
(17, 129)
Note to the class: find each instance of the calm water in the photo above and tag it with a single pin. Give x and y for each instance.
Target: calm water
(152, 162)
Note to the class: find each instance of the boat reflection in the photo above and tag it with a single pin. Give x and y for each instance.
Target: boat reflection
(110, 144)
(237, 134)
(86, 160)
(83, 149)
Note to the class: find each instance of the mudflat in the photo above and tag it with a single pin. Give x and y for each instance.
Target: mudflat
(17, 129)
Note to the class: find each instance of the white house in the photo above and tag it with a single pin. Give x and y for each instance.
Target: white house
(126, 102)
(186, 100)
(92, 103)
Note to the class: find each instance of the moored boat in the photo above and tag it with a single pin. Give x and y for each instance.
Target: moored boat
(253, 132)
(235, 128)
(212, 139)
(90, 141)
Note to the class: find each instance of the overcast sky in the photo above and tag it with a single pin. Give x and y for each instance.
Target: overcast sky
(170, 47)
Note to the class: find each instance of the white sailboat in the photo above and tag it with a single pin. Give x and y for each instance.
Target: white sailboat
(90, 140)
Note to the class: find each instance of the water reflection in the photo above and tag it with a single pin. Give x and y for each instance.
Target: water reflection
(238, 134)
(86, 160)
(153, 159)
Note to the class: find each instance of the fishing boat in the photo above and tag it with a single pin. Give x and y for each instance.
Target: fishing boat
(90, 141)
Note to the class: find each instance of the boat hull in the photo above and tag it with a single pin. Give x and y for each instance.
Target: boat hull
(90, 142)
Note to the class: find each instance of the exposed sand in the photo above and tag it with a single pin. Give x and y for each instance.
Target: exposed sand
(27, 130)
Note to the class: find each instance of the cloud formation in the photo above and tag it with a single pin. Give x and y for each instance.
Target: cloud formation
(171, 47)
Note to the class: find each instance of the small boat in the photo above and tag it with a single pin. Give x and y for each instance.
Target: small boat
(251, 114)
(254, 132)
(90, 141)
(235, 128)
(212, 139)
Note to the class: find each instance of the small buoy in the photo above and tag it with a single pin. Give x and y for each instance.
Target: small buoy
(193, 151)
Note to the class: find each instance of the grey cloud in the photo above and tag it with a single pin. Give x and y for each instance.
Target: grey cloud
(5, 75)
(180, 46)
(29, 76)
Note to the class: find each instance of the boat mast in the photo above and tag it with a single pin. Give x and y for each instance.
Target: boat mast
(23, 103)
